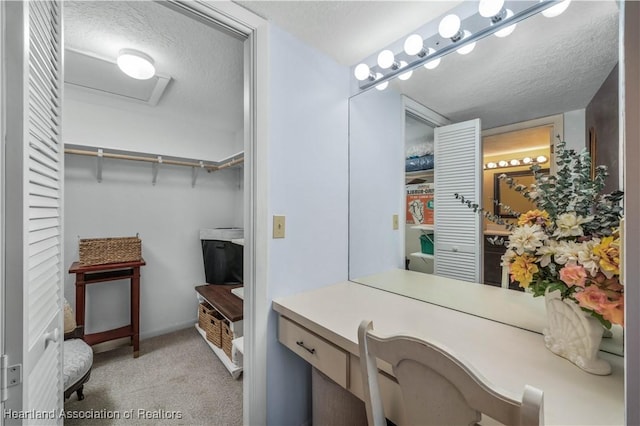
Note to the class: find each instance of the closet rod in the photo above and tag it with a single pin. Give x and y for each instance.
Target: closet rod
(154, 159)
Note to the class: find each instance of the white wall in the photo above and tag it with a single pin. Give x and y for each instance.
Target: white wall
(575, 129)
(376, 161)
(167, 216)
(132, 126)
(308, 166)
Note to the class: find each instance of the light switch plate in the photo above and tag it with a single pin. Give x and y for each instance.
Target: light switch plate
(278, 226)
(396, 224)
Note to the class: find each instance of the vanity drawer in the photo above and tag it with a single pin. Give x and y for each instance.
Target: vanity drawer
(329, 359)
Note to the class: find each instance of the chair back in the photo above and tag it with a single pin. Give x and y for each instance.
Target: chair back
(437, 387)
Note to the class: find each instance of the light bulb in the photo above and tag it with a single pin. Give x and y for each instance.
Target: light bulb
(490, 8)
(385, 59)
(362, 72)
(491, 165)
(502, 163)
(514, 162)
(541, 159)
(449, 26)
(469, 47)
(136, 64)
(407, 75)
(507, 30)
(381, 86)
(413, 45)
(527, 160)
(556, 10)
(432, 64)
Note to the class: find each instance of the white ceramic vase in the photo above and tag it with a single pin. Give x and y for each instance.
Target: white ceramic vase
(573, 334)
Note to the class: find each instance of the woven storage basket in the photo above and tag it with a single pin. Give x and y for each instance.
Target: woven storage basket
(100, 251)
(214, 328)
(227, 337)
(204, 310)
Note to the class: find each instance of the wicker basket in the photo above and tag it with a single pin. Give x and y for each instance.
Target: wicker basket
(227, 337)
(214, 328)
(100, 251)
(204, 310)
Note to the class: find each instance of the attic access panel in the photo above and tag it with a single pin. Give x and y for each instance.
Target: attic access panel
(98, 75)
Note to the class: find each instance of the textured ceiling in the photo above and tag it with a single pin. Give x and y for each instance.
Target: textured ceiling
(349, 30)
(205, 64)
(547, 66)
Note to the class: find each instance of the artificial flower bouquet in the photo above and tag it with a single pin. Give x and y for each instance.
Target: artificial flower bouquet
(571, 241)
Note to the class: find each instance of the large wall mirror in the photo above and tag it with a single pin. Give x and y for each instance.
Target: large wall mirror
(559, 75)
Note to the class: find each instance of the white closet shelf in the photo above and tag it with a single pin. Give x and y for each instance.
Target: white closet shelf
(229, 365)
(422, 255)
(425, 228)
(155, 160)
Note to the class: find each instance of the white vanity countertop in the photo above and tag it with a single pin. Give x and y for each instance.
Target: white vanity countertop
(511, 307)
(507, 356)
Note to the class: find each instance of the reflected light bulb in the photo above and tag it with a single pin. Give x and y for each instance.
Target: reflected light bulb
(385, 59)
(469, 47)
(413, 45)
(407, 75)
(541, 159)
(491, 165)
(490, 8)
(362, 72)
(381, 86)
(432, 64)
(514, 162)
(527, 160)
(449, 26)
(506, 30)
(556, 10)
(502, 163)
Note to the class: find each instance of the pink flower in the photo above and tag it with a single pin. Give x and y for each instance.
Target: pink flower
(614, 311)
(592, 298)
(573, 275)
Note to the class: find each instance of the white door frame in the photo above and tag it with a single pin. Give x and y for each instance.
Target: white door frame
(256, 200)
(2, 215)
(256, 305)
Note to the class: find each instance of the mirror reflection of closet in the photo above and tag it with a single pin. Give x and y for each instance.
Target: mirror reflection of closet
(419, 163)
(419, 193)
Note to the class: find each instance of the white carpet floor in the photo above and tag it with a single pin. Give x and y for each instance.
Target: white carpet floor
(176, 380)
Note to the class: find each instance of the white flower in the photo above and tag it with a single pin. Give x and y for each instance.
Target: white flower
(587, 258)
(567, 253)
(570, 225)
(527, 238)
(546, 252)
(507, 258)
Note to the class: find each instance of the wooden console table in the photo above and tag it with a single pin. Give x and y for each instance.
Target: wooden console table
(86, 275)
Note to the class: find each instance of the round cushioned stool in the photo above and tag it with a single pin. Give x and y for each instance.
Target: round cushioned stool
(78, 359)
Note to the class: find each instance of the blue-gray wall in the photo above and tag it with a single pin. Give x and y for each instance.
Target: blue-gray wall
(308, 168)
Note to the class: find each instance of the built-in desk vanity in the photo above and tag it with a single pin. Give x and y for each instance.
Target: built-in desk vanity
(321, 327)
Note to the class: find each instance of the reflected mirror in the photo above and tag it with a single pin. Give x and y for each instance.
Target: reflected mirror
(550, 76)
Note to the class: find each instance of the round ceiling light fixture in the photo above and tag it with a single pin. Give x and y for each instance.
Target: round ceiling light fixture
(136, 64)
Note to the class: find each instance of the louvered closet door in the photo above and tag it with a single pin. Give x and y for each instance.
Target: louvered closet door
(457, 229)
(34, 214)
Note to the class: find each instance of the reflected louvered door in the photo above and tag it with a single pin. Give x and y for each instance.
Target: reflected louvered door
(458, 169)
(35, 150)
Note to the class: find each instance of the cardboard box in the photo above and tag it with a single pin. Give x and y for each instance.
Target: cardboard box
(420, 204)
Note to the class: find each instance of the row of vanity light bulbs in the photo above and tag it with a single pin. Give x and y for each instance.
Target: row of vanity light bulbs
(449, 27)
(541, 159)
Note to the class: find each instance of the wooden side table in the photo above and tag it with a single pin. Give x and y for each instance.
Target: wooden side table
(86, 275)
